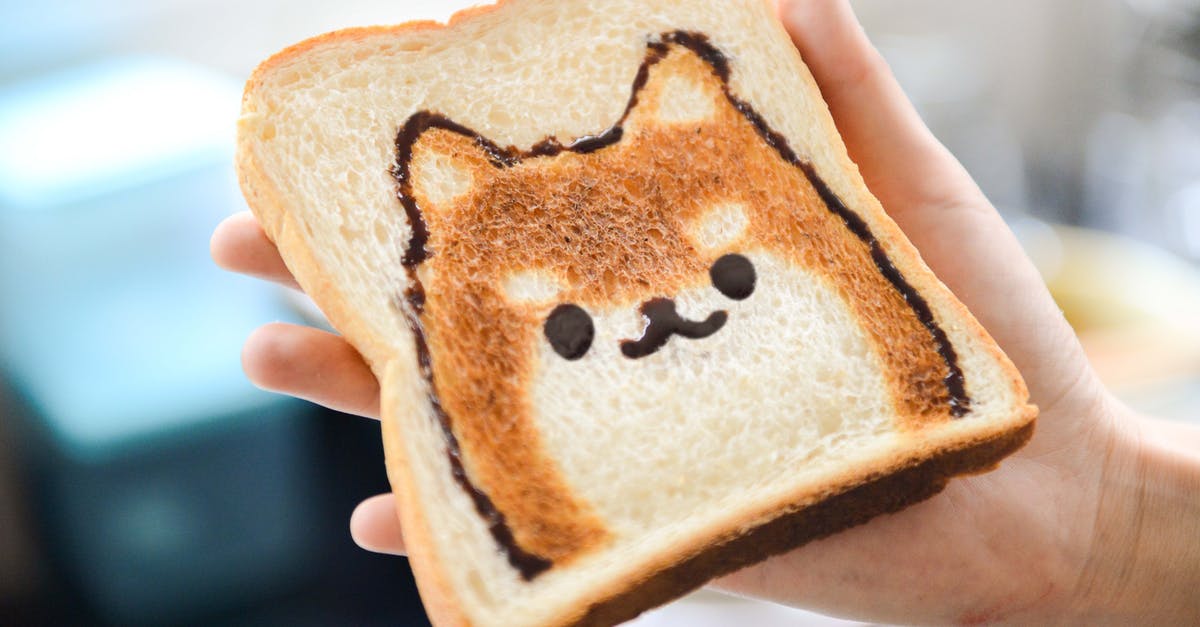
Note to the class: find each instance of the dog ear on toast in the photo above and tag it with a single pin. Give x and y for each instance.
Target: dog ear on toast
(446, 165)
(680, 89)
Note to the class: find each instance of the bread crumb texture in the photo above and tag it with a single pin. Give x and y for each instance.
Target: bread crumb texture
(800, 360)
(613, 468)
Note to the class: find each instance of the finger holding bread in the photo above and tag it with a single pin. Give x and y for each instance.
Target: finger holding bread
(375, 526)
(240, 245)
(903, 163)
(311, 364)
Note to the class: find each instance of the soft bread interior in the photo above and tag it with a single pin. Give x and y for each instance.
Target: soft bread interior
(672, 451)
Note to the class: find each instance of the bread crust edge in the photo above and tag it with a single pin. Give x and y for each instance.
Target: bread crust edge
(857, 504)
(902, 252)
(691, 564)
(437, 595)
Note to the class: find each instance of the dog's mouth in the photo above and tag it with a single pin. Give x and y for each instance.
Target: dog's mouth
(570, 329)
(663, 321)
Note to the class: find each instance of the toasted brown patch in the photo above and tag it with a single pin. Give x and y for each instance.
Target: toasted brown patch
(614, 227)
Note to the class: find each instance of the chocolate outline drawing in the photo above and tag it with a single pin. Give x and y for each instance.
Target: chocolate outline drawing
(529, 564)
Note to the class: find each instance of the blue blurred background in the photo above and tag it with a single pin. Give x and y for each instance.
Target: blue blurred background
(144, 481)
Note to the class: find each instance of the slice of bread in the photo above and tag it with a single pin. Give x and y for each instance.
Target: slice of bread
(636, 318)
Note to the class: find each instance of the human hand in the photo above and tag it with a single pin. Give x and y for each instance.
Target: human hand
(1042, 539)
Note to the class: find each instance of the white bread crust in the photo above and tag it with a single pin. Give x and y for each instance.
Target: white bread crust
(388, 349)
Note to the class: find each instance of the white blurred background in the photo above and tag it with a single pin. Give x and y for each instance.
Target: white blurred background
(143, 481)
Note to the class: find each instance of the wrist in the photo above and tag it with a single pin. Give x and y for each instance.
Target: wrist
(1144, 564)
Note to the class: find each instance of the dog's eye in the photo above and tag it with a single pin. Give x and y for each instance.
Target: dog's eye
(570, 331)
(733, 275)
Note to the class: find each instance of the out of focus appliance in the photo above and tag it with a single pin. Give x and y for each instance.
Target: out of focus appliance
(166, 485)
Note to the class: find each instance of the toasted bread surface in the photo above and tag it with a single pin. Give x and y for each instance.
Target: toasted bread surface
(541, 489)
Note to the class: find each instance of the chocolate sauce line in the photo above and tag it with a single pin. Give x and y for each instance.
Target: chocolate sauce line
(663, 321)
(415, 253)
(528, 564)
(955, 383)
(960, 403)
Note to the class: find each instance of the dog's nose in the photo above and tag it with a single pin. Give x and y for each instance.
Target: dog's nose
(662, 321)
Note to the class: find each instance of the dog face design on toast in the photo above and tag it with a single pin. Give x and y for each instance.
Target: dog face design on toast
(570, 277)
